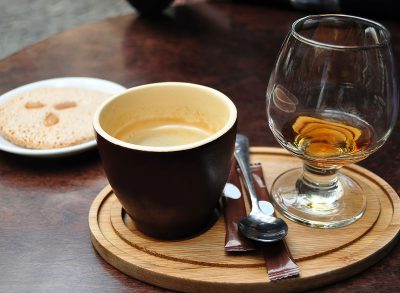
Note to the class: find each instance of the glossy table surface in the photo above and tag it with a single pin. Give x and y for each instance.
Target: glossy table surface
(44, 203)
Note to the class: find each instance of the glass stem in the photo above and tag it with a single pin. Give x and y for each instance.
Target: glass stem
(321, 187)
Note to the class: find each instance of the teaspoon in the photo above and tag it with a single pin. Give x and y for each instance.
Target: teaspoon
(257, 225)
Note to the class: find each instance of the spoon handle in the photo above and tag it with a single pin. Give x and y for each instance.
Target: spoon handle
(242, 157)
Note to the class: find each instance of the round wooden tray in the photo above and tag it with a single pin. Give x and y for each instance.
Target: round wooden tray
(199, 264)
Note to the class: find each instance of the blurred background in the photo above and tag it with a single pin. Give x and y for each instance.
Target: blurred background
(24, 22)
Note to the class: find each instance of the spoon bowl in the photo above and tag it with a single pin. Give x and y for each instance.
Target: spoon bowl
(257, 225)
(263, 228)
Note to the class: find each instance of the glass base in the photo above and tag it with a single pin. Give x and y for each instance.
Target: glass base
(321, 208)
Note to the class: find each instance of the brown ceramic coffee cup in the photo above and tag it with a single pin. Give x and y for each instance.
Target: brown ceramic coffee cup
(166, 150)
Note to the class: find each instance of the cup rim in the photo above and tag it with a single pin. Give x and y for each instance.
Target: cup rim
(230, 123)
(302, 38)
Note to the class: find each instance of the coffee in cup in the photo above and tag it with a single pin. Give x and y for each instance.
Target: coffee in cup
(166, 149)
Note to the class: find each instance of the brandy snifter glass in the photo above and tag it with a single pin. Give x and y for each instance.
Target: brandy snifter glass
(332, 100)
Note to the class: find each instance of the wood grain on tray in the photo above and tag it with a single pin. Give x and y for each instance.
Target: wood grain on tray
(200, 263)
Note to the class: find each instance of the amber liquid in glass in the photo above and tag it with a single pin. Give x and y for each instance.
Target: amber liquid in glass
(330, 137)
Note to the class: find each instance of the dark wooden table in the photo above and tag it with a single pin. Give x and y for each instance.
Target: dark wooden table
(44, 203)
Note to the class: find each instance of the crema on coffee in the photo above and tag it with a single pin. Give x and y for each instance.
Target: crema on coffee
(163, 132)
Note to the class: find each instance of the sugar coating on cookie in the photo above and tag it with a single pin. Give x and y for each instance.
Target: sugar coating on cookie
(48, 118)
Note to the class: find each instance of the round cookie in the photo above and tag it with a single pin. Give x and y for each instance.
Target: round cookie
(48, 118)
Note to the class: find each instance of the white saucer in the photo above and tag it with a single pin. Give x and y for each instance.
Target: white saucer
(81, 82)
